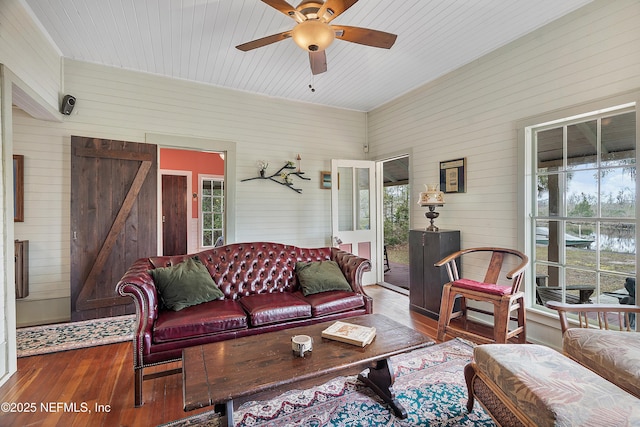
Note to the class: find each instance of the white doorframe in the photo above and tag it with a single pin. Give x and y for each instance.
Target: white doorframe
(380, 218)
(228, 148)
(380, 203)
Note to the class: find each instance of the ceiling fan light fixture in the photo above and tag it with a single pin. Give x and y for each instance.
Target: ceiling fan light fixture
(313, 35)
(314, 32)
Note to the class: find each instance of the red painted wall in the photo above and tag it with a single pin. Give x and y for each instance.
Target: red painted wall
(198, 162)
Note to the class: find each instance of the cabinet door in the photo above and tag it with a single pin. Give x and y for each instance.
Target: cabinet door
(425, 279)
(437, 246)
(416, 269)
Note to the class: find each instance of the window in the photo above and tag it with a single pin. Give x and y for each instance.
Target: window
(583, 209)
(211, 211)
(353, 192)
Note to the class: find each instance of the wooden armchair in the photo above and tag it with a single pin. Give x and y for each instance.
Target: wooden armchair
(505, 299)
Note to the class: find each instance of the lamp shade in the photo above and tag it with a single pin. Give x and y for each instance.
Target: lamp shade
(432, 196)
(313, 35)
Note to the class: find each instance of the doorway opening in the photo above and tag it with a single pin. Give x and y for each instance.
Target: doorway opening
(395, 221)
(192, 210)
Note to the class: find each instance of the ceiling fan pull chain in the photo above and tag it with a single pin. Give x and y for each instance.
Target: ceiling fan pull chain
(311, 86)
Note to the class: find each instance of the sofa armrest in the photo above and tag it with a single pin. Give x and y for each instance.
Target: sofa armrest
(352, 266)
(138, 284)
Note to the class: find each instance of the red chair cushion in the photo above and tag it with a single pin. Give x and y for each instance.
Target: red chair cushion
(488, 288)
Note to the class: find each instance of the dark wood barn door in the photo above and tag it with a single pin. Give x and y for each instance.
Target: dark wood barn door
(174, 215)
(113, 220)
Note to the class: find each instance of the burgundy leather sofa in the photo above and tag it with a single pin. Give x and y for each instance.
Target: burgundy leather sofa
(260, 274)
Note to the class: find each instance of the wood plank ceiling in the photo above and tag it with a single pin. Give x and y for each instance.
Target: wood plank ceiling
(196, 39)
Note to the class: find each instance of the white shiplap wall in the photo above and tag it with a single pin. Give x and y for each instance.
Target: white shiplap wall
(124, 105)
(47, 203)
(472, 112)
(27, 52)
(30, 66)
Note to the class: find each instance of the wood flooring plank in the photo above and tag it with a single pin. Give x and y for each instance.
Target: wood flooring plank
(104, 376)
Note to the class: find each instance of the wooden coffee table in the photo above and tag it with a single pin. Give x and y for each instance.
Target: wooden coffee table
(218, 373)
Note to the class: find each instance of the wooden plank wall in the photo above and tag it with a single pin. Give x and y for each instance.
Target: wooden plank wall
(123, 105)
(28, 53)
(472, 112)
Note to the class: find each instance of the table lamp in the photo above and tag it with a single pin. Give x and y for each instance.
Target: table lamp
(431, 198)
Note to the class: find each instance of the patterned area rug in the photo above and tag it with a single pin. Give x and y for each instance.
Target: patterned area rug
(429, 384)
(68, 336)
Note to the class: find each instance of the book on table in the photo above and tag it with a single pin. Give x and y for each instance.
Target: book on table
(350, 333)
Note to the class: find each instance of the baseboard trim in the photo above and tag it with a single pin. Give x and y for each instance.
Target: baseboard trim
(394, 288)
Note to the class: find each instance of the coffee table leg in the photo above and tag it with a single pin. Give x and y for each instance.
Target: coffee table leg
(226, 410)
(380, 379)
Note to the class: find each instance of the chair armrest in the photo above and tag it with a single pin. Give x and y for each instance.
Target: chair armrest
(453, 271)
(600, 311)
(449, 258)
(352, 266)
(138, 284)
(450, 263)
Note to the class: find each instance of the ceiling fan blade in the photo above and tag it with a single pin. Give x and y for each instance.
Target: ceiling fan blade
(318, 61)
(281, 5)
(264, 41)
(365, 36)
(331, 9)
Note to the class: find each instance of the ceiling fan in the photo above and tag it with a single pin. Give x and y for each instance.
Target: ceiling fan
(314, 33)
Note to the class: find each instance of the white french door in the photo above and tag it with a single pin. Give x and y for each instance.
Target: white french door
(353, 211)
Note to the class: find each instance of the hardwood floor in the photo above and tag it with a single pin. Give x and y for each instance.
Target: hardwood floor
(94, 386)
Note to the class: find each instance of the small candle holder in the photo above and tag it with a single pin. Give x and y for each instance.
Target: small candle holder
(301, 344)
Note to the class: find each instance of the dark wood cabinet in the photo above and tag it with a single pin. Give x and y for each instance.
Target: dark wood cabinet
(425, 280)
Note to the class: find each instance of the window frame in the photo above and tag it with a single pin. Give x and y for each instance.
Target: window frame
(527, 168)
(201, 179)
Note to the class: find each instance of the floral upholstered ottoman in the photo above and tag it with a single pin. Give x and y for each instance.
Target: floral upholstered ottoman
(528, 384)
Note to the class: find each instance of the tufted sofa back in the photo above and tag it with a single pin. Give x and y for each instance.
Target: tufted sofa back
(242, 269)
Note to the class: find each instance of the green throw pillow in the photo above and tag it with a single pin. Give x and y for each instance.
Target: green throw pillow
(185, 284)
(321, 276)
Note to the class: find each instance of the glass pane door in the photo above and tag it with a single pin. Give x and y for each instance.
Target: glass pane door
(353, 209)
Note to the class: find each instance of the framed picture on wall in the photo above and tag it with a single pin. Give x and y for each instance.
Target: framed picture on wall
(18, 188)
(453, 176)
(325, 180)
